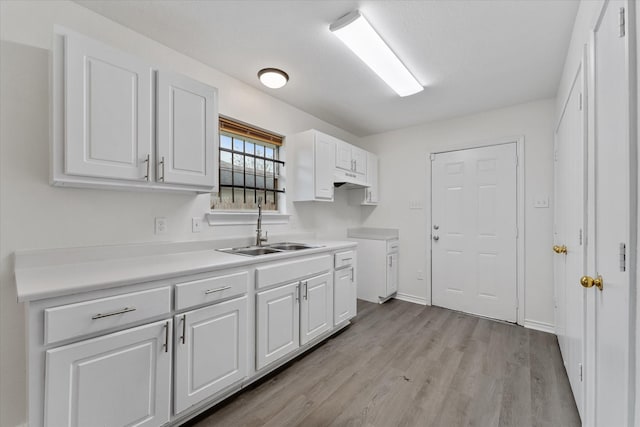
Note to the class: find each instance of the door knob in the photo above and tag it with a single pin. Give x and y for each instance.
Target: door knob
(588, 282)
(436, 238)
(560, 249)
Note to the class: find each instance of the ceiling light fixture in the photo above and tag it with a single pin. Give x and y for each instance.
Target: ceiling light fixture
(359, 36)
(273, 77)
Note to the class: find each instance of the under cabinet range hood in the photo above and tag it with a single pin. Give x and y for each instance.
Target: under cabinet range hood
(346, 179)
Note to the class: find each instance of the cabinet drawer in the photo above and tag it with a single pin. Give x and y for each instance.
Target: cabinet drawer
(92, 316)
(393, 246)
(197, 292)
(343, 259)
(291, 270)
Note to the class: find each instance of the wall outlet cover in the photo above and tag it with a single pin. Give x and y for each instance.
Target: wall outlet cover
(161, 225)
(196, 225)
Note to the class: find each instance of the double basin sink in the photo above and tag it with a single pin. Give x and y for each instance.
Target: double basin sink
(268, 249)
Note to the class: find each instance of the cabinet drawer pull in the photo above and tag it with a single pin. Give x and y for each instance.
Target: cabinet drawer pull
(166, 337)
(210, 291)
(113, 313)
(184, 328)
(161, 178)
(147, 161)
(347, 259)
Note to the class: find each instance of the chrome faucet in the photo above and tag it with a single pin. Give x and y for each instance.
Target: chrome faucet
(259, 238)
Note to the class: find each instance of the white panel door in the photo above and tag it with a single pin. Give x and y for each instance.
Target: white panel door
(211, 351)
(187, 131)
(343, 156)
(108, 111)
(278, 323)
(323, 167)
(392, 274)
(569, 233)
(316, 307)
(609, 311)
(120, 379)
(474, 231)
(342, 294)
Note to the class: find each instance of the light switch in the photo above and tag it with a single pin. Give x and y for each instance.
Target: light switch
(196, 225)
(541, 202)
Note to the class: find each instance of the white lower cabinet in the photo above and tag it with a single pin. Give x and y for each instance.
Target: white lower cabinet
(316, 307)
(277, 323)
(210, 351)
(343, 294)
(118, 379)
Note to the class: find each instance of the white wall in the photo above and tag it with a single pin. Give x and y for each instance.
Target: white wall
(35, 215)
(403, 157)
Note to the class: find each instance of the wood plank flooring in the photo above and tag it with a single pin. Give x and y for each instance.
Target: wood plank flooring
(402, 364)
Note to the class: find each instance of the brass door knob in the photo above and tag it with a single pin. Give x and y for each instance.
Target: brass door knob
(560, 249)
(589, 282)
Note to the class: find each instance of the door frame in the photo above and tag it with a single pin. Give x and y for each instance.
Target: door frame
(520, 216)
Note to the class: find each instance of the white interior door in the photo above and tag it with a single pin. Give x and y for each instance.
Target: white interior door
(474, 231)
(609, 309)
(569, 219)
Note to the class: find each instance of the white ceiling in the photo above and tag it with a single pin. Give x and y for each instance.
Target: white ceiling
(471, 55)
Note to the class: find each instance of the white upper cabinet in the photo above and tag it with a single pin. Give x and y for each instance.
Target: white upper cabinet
(104, 110)
(187, 131)
(351, 158)
(314, 165)
(108, 120)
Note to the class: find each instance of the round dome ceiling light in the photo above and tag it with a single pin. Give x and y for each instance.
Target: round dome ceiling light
(273, 77)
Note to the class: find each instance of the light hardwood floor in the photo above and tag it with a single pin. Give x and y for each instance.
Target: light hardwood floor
(402, 364)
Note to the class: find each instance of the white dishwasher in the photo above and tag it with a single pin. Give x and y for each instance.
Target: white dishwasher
(377, 262)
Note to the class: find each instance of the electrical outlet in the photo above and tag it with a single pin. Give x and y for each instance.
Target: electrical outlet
(541, 202)
(196, 225)
(161, 225)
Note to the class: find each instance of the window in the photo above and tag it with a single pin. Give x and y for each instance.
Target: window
(249, 168)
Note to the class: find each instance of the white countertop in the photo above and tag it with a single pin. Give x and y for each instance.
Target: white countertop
(371, 233)
(52, 273)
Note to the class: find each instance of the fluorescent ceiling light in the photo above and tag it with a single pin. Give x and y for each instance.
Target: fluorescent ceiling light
(359, 36)
(273, 77)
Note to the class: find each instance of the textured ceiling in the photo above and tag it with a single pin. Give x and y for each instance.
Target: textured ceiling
(470, 55)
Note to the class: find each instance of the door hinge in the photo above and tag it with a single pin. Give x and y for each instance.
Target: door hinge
(432, 156)
(580, 237)
(623, 257)
(580, 371)
(621, 21)
(517, 160)
(555, 155)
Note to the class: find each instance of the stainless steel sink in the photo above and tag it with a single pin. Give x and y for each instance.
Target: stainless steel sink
(289, 246)
(268, 249)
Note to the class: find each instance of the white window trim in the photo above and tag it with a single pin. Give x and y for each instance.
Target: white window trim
(245, 218)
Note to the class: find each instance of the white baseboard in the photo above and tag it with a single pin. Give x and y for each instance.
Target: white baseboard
(540, 326)
(411, 298)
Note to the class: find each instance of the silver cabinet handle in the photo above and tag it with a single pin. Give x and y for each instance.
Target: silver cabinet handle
(298, 292)
(184, 328)
(161, 178)
(147, 161)
(210, 291)
(352, 269)
(306, 290)
(113, 313)
(166, 337)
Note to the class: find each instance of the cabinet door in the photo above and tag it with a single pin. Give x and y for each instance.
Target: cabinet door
(342, 295)
(278, 323)
(372, 195)
(343, 156)
(359, 157)
(187, 131)
(316, 307)
(108, 111)
(392, 274)
(118, 379)
(323, 168)
(211, 351)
